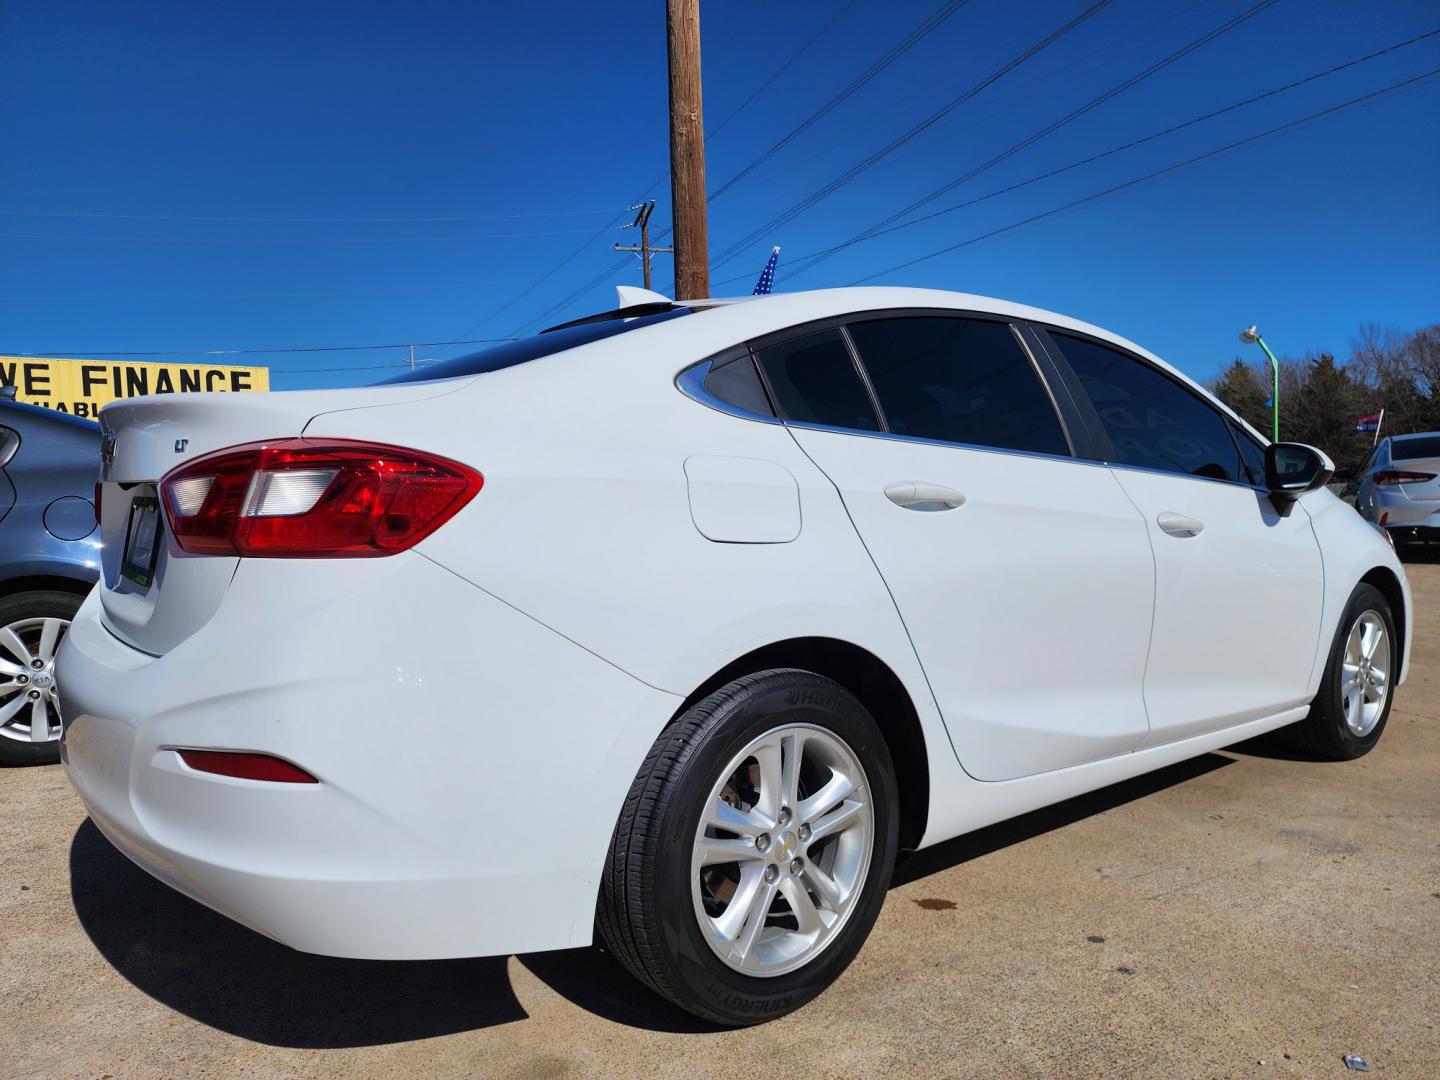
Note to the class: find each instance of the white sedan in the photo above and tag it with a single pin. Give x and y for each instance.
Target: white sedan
(680, 621)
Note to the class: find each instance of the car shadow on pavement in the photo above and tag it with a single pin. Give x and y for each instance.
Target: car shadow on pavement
(973, 845)
(217, 972)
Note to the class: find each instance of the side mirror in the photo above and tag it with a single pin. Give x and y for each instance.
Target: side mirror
(1291, 469)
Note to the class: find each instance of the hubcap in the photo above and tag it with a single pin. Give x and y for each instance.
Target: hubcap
(1365, 673)
(782, 850)
(29, 700)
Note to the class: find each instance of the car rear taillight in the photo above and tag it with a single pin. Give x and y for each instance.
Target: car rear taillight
(246, 766)
(312, 498)
(1402, 476)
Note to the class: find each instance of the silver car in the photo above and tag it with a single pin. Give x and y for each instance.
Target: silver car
(1400, 486)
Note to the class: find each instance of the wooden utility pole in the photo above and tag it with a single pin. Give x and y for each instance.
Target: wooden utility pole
(642, 222)
(687, 151)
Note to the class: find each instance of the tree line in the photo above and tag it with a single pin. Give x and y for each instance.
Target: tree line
(1321, 398)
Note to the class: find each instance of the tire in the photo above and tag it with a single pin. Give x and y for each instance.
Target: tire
(663, 915)
(1329, 731)
(25, 614)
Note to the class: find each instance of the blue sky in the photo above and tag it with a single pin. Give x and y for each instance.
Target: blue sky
(186, 176)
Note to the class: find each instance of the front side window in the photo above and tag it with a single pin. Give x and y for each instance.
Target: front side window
(958, 380)
(1252, 455)
(1153, 420)
(813, 380)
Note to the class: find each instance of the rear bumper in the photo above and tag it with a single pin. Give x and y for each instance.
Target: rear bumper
(471, 762)
(1428, 532)
(1398, 512)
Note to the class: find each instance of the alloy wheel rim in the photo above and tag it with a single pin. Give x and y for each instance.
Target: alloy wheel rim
(782, 850)
(29, 699)
(1365, 673)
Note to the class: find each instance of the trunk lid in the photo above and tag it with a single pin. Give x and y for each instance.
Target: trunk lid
(143, 439)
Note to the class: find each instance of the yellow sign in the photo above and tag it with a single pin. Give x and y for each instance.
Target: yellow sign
(80, 387)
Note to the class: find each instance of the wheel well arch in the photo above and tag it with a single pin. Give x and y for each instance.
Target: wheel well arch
(34, 582)
(1384, 579)
(881, 692)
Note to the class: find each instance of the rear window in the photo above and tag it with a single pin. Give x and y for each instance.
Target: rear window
(1408, 449)
(531, 348)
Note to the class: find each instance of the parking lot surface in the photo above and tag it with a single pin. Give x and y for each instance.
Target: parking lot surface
(1247, 913)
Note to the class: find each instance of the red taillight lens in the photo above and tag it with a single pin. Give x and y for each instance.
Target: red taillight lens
(244, 766)
(304, 498)
(1401, 476)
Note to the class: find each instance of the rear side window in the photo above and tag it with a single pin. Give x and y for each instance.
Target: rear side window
(736, 381)
(958, 380)
(1420, 447)
(814, 380)
(1154, 421)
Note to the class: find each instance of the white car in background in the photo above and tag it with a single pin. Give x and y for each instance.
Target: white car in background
(1399, 486)
(680, 621)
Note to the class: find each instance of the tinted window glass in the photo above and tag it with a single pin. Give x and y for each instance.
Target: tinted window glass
(532, 348)
(738, 383)
(1252, 455)
(961, 380)
(1153, 420)
(814, 380)
(1406, 449)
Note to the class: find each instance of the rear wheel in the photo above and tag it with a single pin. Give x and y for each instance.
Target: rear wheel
(1349, 712)
(754, 850)
(32, 625)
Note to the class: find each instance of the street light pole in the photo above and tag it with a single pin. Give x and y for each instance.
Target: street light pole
(1251, 335)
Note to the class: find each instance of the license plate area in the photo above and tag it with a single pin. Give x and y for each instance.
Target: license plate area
(142, 541)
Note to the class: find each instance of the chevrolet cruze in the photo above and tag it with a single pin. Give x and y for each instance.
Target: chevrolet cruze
(680, 621)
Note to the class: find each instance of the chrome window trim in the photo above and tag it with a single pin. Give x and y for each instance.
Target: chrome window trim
(805, 425)
(691, 383)
(1179, 382)
(1120, 465)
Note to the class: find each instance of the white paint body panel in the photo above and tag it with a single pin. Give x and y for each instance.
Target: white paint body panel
(1029, 604)
(556, 624)
(1237, 604)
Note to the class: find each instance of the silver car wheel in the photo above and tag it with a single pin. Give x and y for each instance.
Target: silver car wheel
(29, 701)
(782, 851)
(1365, 673)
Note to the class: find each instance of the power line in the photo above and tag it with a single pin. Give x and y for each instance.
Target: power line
(88, 353)
(943, 12)
(855, 170)
(1393, 87)
(778, 72)
(808, 261)
(1075, 114)
(301, 220)
(921, 30)
(926, 27)
(291, 239)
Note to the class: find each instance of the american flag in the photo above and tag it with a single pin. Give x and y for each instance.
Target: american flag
(767, 276)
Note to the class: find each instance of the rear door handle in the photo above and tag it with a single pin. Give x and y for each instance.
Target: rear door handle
(919, 495)
(1179, 525)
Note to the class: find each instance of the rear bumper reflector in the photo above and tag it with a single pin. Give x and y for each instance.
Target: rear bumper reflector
(246, 766)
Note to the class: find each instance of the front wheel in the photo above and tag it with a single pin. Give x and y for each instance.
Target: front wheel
(754, 849)
(1349, 712)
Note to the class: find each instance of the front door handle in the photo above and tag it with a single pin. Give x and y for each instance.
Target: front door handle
(1179, 525)
(919, 495)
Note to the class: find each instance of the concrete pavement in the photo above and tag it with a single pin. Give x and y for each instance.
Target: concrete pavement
(1243, 914)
